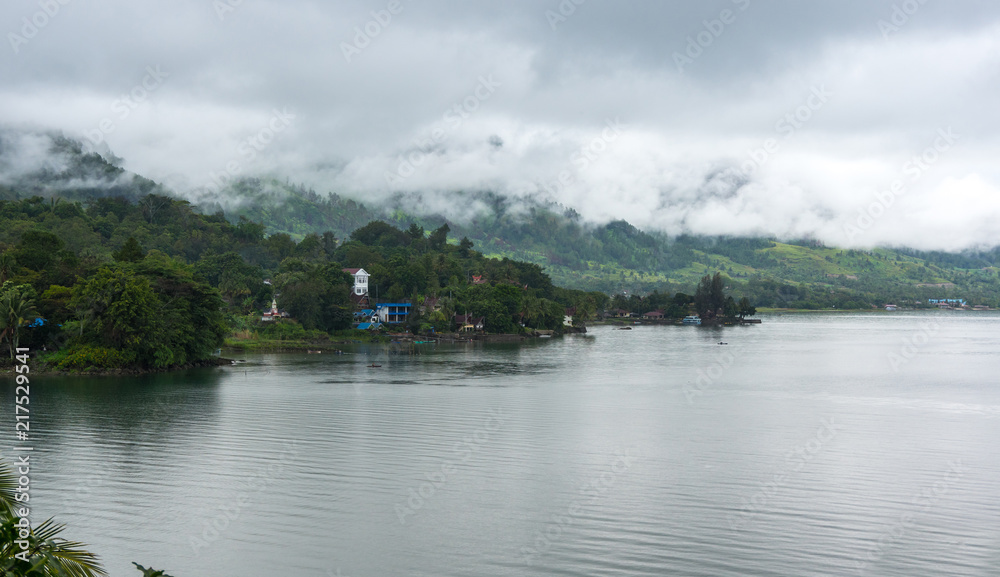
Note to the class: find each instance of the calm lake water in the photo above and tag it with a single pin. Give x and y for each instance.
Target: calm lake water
(814, 444)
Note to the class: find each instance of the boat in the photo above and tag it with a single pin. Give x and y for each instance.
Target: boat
(691, 320)
(624, 328)
(373, 366)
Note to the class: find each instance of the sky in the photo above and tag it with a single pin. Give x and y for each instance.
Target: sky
(857, 122)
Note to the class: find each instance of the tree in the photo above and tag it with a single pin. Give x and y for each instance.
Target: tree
(415, 231)
(38, 249)
(17, 310)
(745, 308)
(585, 310)
(316, 295)
(236, 279)
(531, 310)
(123, 309)
(703, 297)
(42, 553)
(153, 313)
(7, 264)
(439, 237)
(249, 231)
(464, 246)
(310, 247)
(710, 295)
(717, 295)
(131, 251)
(730, 309)
(329, 241)
(151, 204)
(378, 233)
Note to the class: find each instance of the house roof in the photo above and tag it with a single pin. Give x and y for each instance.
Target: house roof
(354, 270)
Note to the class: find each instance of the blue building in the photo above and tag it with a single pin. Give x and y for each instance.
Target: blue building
(392, 313)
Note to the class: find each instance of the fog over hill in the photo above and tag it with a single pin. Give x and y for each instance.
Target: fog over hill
(857, 123)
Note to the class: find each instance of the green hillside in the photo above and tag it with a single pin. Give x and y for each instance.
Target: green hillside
(617, 257)
(612, 258)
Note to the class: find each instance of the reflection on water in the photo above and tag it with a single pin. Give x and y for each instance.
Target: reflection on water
(800, 448)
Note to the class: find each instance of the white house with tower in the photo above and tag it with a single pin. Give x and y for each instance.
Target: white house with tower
(360, 280)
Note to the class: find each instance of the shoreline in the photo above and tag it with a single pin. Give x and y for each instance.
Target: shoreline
(42, 368)
(38, 367)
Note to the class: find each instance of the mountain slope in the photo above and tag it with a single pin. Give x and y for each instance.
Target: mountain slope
(613, 257)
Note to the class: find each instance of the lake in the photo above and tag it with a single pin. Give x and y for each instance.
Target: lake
(813, 444)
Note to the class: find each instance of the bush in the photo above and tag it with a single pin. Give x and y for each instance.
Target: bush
(84, 356)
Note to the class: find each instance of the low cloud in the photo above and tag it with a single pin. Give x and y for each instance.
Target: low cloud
(687, 160)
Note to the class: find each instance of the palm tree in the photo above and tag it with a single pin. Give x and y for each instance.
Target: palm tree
(531, 310)
(16, 311)
(44, 554)
(6, 266)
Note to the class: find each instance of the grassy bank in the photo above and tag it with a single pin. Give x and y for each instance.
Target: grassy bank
(311, 341)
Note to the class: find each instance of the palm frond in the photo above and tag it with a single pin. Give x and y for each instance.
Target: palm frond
(8, 489)
(68, 557)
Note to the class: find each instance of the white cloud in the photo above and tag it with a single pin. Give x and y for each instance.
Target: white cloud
(672, 168)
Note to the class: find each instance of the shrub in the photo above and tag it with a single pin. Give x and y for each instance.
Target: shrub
(84, 356)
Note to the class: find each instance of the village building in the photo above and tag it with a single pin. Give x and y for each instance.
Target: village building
(360, 280)
(468, 323)
(273, 314)
(359, 292)
(431, 304)
(392, 313)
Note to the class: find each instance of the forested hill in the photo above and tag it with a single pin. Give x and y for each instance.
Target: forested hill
(617, 257)
(612, 258)
(154, 285)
